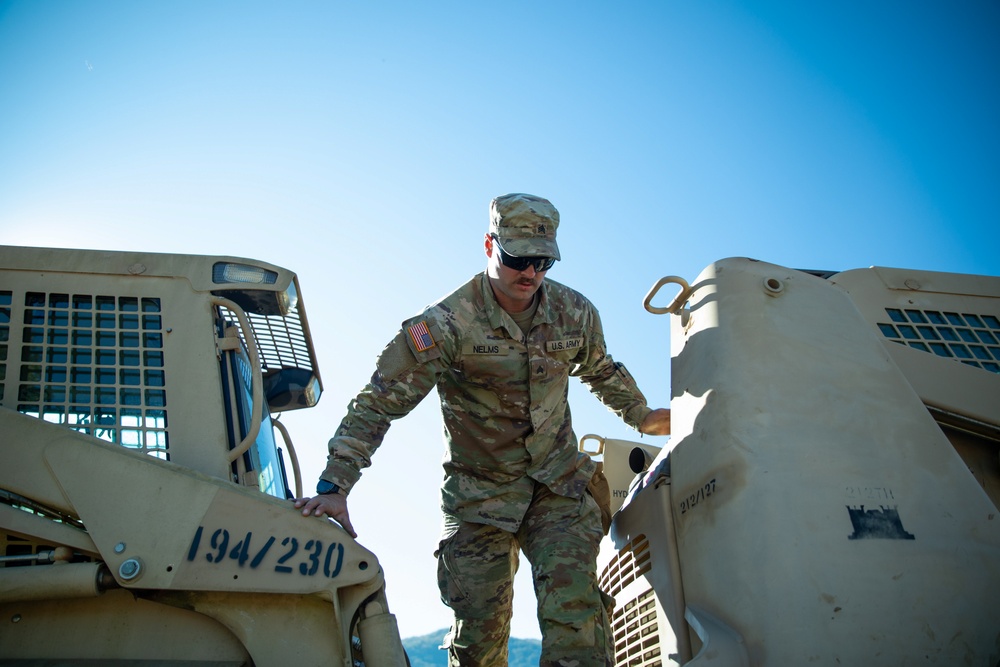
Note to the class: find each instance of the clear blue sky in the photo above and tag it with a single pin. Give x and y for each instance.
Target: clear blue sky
(359, 144)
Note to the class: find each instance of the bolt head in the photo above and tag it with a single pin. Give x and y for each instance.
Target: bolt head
(130, 569)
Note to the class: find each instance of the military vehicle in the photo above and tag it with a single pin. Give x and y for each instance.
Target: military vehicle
(830, 492)
(828, 496)
(133, 383)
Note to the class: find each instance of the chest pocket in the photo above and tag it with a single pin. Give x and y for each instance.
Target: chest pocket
(490, 363)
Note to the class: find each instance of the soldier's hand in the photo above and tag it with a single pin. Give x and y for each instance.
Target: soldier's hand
(333, 505)
(656, 422)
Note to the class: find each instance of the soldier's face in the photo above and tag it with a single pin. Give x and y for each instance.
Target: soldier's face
(514, 290)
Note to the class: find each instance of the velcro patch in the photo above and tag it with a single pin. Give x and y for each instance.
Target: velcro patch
(395, 359)
(563, 345)
(492, 348)
(421, 336)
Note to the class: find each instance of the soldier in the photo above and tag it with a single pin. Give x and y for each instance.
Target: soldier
(500, 350)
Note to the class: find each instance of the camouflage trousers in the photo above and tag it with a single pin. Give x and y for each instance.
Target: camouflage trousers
(560, 538)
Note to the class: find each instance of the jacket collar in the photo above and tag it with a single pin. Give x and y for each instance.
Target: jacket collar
(499, 318)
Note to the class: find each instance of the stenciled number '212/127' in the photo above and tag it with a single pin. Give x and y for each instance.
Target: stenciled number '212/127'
(698, 496)
(330, 558)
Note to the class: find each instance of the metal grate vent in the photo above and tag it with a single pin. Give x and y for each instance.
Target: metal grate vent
(628, 565)
(635, 628)
(5, 299)
(281, 341)
(95, 364)
(634, 625)
(969, 338)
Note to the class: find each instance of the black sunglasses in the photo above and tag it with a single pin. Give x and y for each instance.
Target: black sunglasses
(521, 263)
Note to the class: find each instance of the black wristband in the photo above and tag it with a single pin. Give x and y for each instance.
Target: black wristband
(324, 487)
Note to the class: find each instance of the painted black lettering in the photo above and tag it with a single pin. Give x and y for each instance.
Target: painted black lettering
(221, 544)
(263, 551)
(877, 493)
(698, 496)
(333, 571)
(317, 548)
(241, 551)
(317, 554)
(293, 546)
(193, 551)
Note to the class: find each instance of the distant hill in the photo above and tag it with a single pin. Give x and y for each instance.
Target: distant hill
(424, 651)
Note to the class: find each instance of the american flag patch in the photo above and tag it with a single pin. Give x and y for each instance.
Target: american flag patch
(421, 336)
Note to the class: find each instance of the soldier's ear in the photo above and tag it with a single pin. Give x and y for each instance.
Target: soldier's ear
(488, 244)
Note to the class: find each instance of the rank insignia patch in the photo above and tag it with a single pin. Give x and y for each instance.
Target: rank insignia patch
(421, 336)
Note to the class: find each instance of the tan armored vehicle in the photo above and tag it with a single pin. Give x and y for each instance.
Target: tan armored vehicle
(830, 492)
(133, 383)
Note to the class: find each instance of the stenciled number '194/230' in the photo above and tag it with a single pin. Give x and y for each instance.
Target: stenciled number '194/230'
(314, 555)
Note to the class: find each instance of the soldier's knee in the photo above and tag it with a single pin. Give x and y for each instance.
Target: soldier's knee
(475, 578)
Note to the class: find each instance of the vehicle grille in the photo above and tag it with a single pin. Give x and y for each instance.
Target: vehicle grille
(90, 362)
(634, 623)
(971, 339)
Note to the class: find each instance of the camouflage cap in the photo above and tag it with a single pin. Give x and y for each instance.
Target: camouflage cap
(525, 224)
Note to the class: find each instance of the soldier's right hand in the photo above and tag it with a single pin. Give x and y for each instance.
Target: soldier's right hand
(333, 505)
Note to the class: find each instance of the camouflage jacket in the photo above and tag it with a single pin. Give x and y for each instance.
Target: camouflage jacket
(503, 398)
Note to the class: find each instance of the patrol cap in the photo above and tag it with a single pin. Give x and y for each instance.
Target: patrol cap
(525, 224)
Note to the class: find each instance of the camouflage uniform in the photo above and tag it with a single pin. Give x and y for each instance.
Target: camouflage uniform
(514, 478)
